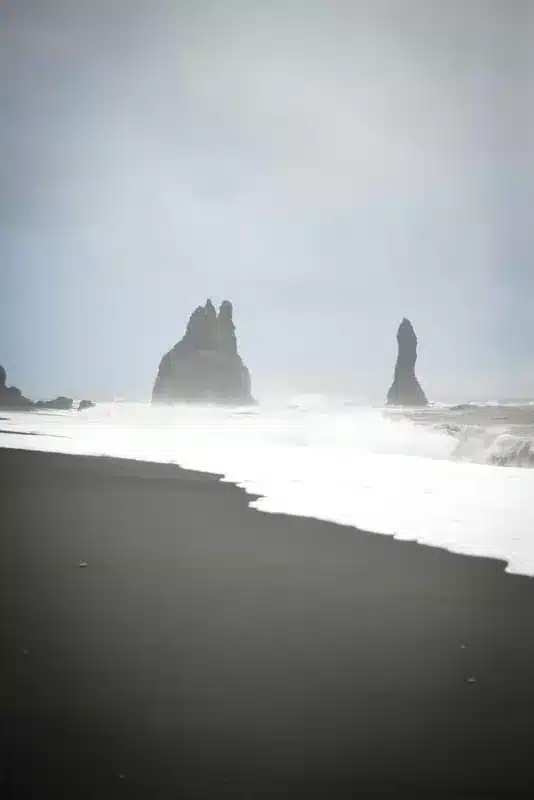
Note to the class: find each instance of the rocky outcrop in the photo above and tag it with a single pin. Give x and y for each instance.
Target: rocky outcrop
(59, 404)
(405, 389)
(10, 396)
(205, 365)
(84, 404)
(63, 404)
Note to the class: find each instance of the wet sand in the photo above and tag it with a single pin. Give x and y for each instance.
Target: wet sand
(211, 651)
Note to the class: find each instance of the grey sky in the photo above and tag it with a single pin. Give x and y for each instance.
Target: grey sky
(328, 166)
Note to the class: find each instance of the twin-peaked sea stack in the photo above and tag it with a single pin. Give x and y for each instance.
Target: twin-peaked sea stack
(205, 365)
(405, 389)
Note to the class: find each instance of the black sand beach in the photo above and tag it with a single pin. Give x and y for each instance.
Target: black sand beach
(211, 651)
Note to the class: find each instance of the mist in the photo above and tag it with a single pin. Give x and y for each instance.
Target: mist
(330, 167)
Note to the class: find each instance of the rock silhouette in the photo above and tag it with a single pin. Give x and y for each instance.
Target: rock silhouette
(59, 404)
(63, 404)
(10, 396)
(405, 389)
(205, 364)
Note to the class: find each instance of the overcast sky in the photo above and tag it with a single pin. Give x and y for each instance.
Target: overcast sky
(330, 166)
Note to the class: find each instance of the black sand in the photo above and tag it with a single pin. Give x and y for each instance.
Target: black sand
(211, 651)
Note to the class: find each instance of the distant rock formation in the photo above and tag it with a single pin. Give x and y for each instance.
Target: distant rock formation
(10, 396)
(205, 365)
(59, 404)
(63, 404)
(405, 389)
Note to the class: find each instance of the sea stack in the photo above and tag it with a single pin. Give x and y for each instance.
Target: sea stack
(204, 366)
(405, 389)
(10, 396)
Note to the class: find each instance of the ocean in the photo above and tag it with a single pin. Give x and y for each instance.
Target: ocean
(455, 477)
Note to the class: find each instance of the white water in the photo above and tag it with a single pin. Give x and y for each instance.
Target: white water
(357, 466)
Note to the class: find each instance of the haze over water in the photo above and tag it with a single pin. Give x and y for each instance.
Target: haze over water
(329, 167)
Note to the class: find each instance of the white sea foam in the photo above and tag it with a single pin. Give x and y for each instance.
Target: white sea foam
(413, 476)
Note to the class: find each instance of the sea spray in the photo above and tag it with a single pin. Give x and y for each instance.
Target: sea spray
(429, 476)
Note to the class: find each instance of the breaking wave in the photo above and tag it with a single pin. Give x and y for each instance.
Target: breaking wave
(452, 477)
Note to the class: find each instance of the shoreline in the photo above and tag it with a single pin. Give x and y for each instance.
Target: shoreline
(209, 649)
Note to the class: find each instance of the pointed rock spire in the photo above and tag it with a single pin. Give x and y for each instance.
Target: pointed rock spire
(405, 389)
